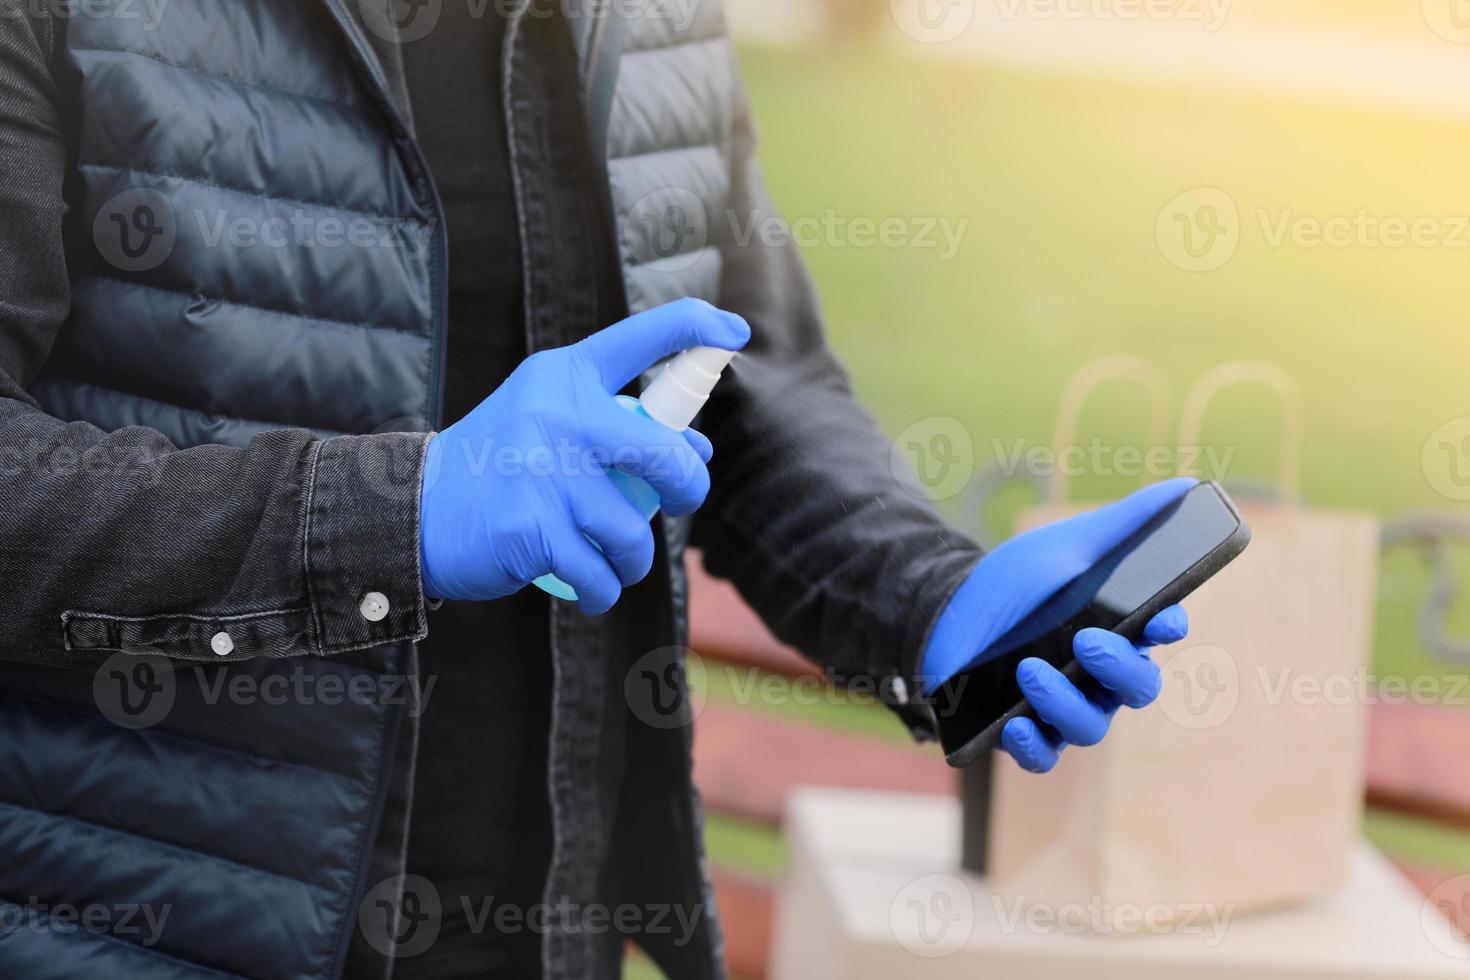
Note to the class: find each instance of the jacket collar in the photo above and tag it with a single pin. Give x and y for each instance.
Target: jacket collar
(595, 26)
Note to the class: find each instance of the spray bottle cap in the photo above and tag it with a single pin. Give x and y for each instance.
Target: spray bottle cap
(681, 389)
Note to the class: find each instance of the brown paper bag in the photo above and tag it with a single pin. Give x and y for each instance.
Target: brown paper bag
(1242, 787)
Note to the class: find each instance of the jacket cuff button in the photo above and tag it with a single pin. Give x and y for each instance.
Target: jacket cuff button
(221, 644)
(374, 607)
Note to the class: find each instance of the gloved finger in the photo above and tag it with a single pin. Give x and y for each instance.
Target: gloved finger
(1033, 749)
(626, 349)
(1057, 702)
(638, 445)
(611, 520)
(1118, 665)
(583, 567)
(1170, 626)
(1107, 527)
(701, 444)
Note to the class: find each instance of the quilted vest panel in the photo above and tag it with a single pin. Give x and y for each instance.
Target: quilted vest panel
(250, 247)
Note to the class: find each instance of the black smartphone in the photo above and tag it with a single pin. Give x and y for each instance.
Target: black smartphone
(1165, 560)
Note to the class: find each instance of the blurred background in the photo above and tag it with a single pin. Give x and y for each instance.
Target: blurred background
(1193, 182)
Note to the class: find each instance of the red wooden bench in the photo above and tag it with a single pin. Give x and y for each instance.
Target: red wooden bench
(745, 762)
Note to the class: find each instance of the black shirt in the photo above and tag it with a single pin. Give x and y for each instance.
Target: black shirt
(487, 718)
(454, 86)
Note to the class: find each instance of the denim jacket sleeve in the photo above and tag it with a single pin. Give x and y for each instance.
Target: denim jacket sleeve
(843, 557)
(122, 541)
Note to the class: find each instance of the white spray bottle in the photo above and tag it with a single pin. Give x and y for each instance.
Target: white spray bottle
(671, 399)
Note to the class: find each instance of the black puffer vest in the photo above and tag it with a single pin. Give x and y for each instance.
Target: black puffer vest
(257, 243)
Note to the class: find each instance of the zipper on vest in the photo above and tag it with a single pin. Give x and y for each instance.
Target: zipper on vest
(367, 63)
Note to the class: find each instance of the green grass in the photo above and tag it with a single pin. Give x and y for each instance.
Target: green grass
(754, 848)
(1428, 844)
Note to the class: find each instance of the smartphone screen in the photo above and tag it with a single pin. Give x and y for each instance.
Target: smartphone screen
(1158, 565)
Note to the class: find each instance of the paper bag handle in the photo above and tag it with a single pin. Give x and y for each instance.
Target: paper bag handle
(1233, 373)
(1088, 379)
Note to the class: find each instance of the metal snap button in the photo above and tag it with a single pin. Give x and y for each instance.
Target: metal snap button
(221, 644)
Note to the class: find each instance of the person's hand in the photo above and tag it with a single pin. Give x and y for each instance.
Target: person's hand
(514, 490)
(1120, 672)
(1011, 582)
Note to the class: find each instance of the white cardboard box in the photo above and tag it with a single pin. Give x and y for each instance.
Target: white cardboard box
(874, 892)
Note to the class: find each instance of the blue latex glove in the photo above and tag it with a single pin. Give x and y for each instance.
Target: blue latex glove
(1011, 582)
(514, 490)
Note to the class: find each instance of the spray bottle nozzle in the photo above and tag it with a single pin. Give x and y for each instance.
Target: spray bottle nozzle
(675, 397)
